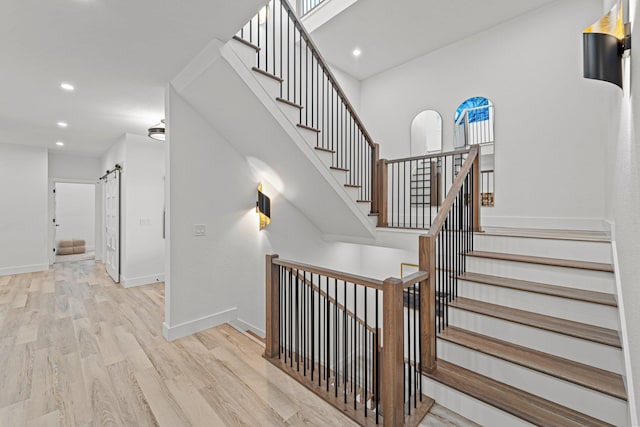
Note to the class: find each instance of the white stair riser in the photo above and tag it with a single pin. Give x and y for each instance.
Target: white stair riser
(271, 86)
(354, 193)
(327, 158)
(365, 207)
(564, 308)
(581, 399)
(582, 351)
(311, 137)
(247, 54)
(373, 219)
(469, 407)
(598, 281)
(550, 248)
(341, 176)
(292, 113)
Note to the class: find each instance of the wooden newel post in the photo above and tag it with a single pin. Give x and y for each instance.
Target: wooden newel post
(383, 193)
(272, 278)
(375, 196)
(427, 262)
(477, 197)
(392, 369)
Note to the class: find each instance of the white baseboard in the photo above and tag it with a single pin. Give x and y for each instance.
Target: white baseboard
(243, 326)
(587, 224)
(192, 326)
(20, 269)
(139, 281)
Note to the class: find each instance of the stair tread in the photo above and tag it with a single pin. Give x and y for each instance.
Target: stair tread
(243, 41)
(264, 73)
(353, 185)
(338, 169)
(556, 262)
(554, 324)
(326, 150)
(539, 233)
(594, 378)
(363, 201)
(312, 129)
(286, 101)
(526, 406)
(543, 288)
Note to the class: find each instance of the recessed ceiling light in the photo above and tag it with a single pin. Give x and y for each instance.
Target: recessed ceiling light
(357, 52)
(62, 124)
(60, 143)
(67, 86)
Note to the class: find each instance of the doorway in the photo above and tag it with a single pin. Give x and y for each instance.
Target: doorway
(74, 221)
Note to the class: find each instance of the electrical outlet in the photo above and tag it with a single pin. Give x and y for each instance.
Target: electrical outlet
(200, 230)
(145, 221)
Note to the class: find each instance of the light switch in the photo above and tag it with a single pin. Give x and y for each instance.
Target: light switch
(200, 230)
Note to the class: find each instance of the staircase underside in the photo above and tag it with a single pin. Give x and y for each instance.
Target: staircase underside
(228, 95)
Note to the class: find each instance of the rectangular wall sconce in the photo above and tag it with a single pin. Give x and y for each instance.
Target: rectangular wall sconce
(603, 44)
(263, 207)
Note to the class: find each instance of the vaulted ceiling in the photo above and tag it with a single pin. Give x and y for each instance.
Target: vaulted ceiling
(390, 33)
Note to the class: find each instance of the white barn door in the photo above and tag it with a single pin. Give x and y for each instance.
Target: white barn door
(112, 225)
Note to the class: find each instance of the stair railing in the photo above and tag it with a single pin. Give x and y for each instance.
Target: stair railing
(306, 6)
(411, 189)
(285, 50)
(349, 339)
(474, 126)
(442, 251)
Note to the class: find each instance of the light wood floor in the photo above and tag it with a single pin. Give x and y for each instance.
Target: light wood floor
(78, 350)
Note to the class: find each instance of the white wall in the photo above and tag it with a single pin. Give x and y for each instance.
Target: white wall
(23, 217)
(68, 167)
(550, 121)
(75, 213)
(350, 85)
(220, 277)
(141, 204)
(144, 171)
(623, 206)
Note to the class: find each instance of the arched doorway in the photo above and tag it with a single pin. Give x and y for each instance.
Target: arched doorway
(426, 133)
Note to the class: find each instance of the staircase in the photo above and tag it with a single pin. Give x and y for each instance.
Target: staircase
(506, 327)
(534, 333)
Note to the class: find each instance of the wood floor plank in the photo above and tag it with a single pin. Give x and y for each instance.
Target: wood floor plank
(554, 324)
(166, 410)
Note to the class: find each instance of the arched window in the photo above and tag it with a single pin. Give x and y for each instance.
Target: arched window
(426, 133)
(473, 122)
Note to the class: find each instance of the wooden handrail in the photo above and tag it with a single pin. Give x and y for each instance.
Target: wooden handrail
(431, 156)
(414, 278)
(351, 278)
(327, 70)
(438, 222)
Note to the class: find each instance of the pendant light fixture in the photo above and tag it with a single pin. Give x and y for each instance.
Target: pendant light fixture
(157, 131)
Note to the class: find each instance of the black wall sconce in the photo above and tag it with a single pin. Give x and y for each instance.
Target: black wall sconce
(263, 207)
(603, 44)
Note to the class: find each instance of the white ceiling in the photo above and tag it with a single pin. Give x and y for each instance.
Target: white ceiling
(390, 33)
(119, 54)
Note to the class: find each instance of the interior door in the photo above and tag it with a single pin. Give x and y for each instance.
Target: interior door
(112, 225)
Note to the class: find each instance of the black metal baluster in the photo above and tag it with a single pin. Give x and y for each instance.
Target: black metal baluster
(304, 322)
(328, 338)
(345, 373)
(335, 335)
(377, 367)
(355, 341)
(366, 367)
(313, 329)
